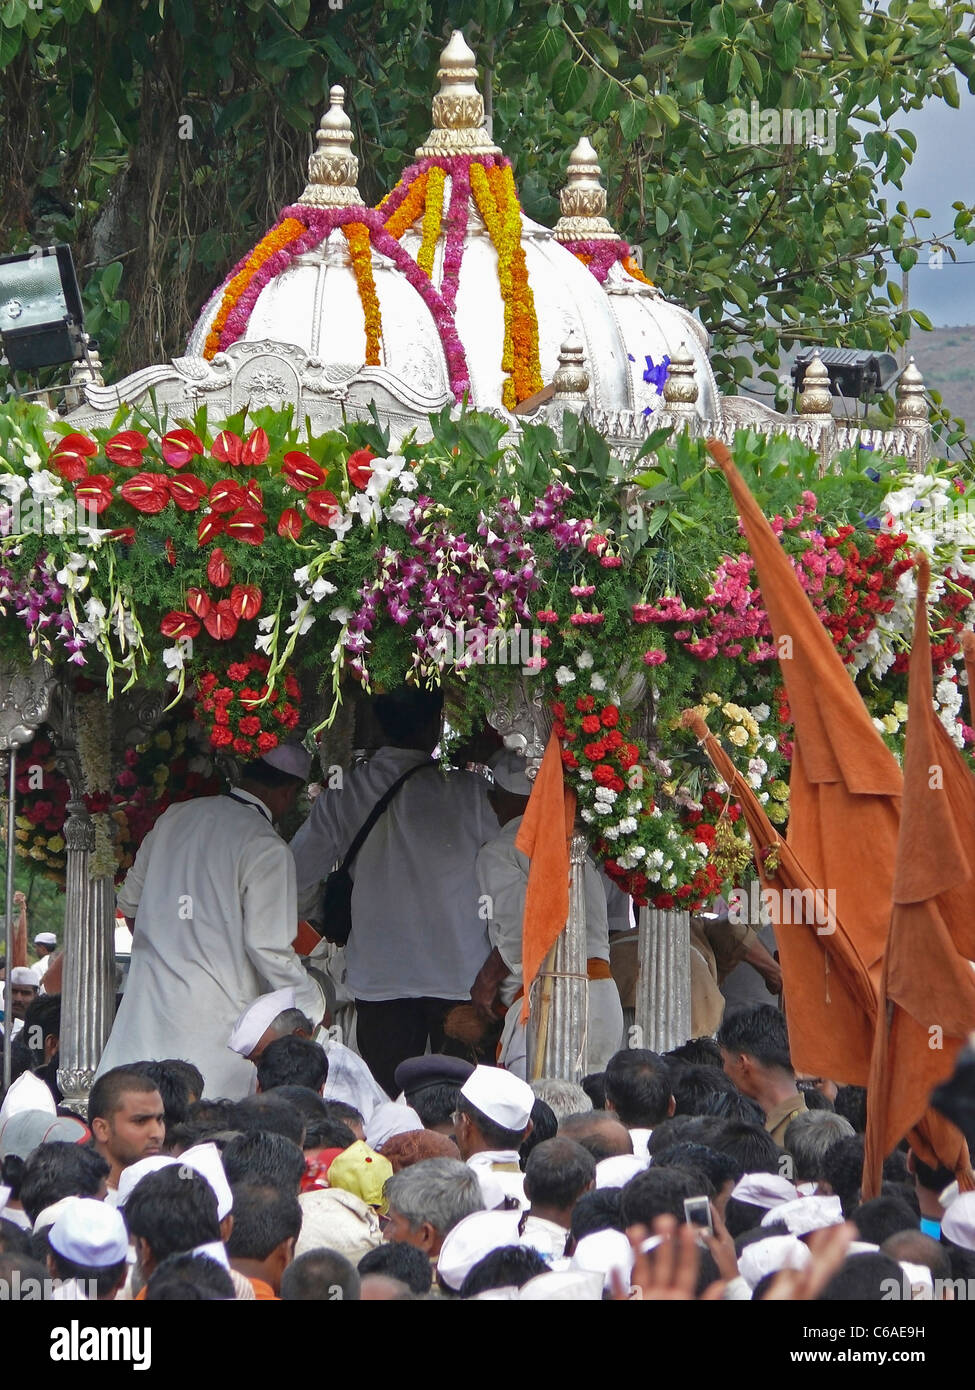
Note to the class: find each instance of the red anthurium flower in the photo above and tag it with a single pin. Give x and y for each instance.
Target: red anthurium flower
(256, 449)
(321, 507)
(254, 495)
(210, 527)
(70, 456)
(227, 447)
(301, 471)
(218, 571)
(226, 496)
(125, 534)
(75, 444)
(187, 491)
(179, 446)
(290, 524)
(358, 467)
(247, 526)
(221, 622)
(95, 492)
(176, 624)
(126, 449)
(245, 600)
(198, 602)
(147, 492)
(170, 552)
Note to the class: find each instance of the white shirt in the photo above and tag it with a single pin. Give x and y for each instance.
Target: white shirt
(547, 1237)
(497, 1185)
(349, 1079)
(40, 967)
(212, 891)
(416, 931)
(640, 1138)
(502, 877)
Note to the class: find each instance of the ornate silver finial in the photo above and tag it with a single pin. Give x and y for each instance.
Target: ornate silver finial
(582, 201)
(333, 169)
(816, 397)
(458, 107)
(571, 379)
(681, 389)
(912, 407)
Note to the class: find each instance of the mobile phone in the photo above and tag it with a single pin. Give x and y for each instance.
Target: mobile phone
(697, 1212)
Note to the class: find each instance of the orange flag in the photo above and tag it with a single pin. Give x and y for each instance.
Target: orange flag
(809, 931)
(928, 988)
(845, 789)
(544, 835)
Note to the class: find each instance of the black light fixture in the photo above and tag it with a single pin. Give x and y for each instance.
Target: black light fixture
(41, 316)
(854, 373)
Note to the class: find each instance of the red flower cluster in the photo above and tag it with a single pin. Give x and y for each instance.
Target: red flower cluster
(250, 719)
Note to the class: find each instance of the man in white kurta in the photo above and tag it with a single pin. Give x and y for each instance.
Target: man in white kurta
(502, 877)
(212, 893)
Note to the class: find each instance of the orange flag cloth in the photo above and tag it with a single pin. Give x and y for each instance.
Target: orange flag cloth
(845, 789)
(544, 835)
(850, 1003)
(928, 988)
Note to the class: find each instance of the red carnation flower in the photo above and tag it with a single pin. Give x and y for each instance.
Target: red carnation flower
(590, 724)
(594, 751)
(629, 755)
(585, 703)
(220, 737)
(238, 671)
(244, 747)
(610, 717)
(250, 725)
(224, 695)
(613, 740)
(569, 759)
(265, 742)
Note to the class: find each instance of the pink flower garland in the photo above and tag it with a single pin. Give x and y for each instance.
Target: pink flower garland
(320, 222)
(602, 254)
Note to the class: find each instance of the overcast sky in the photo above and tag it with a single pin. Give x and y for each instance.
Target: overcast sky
(943, 172)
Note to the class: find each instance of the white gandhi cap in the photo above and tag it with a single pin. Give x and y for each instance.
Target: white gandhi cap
(500, 1096)
(90, 1233)
(258, 1017)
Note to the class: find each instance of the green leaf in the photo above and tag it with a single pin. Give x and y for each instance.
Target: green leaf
(606, 50)
(9, 45)
(668, 109)
(921, 319)
(569, 82)
(605, 101)
(544, 46)
(702, 46)
(661, 221)
(633, 119)
(287, 51)
(907, 259)
(716, 77)
(949, 89)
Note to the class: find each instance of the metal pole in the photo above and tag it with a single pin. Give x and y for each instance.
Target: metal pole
(11, 858)
(559, 1028)
(663, 1005)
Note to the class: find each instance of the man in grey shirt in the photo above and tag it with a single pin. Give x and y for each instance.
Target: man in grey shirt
(418, 938)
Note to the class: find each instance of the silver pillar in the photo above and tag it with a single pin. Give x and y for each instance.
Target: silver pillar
(558, 1031)
(663, 1003)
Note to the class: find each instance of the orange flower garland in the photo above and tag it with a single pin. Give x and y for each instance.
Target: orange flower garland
(497, 202)
(410, 208)
(432, 217)
(631, 268)
(288, 231)
(360, 250)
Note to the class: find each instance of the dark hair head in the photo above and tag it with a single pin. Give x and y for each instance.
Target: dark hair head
(494, 1135)
(173, 1210)
(851, 1103)
(59, 1170)
(719, 1168)
(658, 1192)
(508, 1266)
(758, 1232)
(697, 1052)
(262, 774)
(815, 1100)
(322, 1130)
(598, 1210)
(638, 1087)
(399, 1261)
(25, 1268)
(758, 1032)
(732, 1105)
(177, 1082)
(345, 1113)
(436, 1103)
(916, 1248)
(269, 1114)
(594, 1086)
(13, 1239)
(544, 1126)
(263, 1217)
(931, 1179)
(44, 1013)
(216, 1114)
(843, 1169)
(864, 1279)
(883, 1217)
(684, 1129)
(751, 1146)
(107, 1092)
(694, 1086)
(264, 1158)
(292, 1061)
(189, 1279)
(741, 1217)
(600, 1133)
(323, 1276)
(408, 716)
(106, 1278)
(557, 1173)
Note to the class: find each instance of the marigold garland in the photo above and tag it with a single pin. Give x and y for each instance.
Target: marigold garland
(432, 218)
(410, 208)
(276, 240)
(632, 269)
(360, 250)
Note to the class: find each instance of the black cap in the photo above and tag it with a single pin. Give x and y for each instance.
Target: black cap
(435, 1069)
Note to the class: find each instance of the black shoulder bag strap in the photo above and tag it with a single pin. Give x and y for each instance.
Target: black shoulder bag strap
(374, 815)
